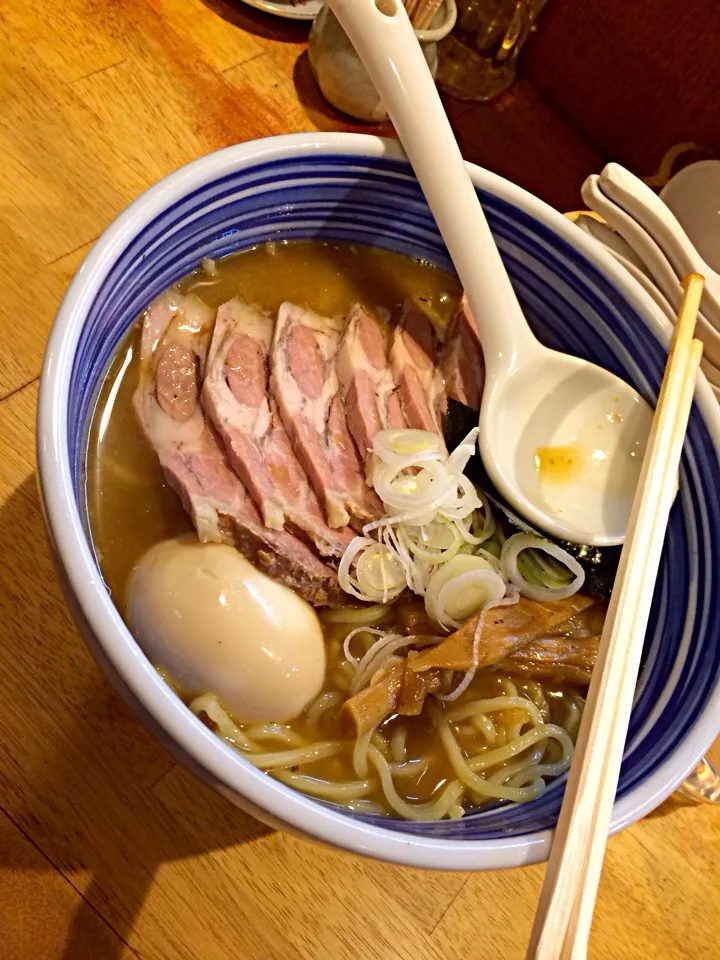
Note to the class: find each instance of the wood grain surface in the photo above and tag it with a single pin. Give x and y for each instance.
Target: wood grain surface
(108, 849)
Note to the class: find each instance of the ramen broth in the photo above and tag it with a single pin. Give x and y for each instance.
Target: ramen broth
(131, 508)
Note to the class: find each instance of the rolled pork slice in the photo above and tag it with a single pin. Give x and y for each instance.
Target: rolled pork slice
(369, 389)
(414, 360)
(236, 398)
(304, 383)
(463, 367)
(175, 338)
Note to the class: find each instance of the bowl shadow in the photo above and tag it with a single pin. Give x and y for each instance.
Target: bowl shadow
(97, 793)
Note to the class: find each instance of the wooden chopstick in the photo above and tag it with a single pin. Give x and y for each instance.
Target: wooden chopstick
(562, 922)
(411, 7)
(425, 14)
(422, 12)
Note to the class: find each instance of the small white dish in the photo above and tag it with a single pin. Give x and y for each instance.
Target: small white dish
(693, 195)
(299, 10)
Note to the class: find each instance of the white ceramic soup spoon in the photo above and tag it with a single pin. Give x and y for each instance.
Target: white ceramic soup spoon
(653, 257)
(641, 203)
(625, 255)
(561, 438)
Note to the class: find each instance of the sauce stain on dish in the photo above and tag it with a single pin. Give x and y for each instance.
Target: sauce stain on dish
(559, 464)
(587, 463)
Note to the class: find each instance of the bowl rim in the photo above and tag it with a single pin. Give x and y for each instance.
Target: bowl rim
(232, 774)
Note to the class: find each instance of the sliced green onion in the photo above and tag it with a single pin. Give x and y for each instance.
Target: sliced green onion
(379, 573)
(491, 558)
(484, 532)
(493, 548)
(401, 448)
(434, 516)
(460, 588)
(540, 581)
(458, 459)
(378, 570)
(367, 631)
(434, 543)
(383, 648)
(426, 489)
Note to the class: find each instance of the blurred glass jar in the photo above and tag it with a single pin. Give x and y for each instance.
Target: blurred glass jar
(479, 58)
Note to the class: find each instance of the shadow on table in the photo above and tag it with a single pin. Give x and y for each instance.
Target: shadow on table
(258, 23)
(218, 825)
(92, 796)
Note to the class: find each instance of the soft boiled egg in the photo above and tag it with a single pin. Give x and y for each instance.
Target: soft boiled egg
(218, 625)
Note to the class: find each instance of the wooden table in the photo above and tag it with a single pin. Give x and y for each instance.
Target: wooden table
(108, 849)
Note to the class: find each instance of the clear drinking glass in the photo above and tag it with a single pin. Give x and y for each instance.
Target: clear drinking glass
(703, 784)
(479, 58)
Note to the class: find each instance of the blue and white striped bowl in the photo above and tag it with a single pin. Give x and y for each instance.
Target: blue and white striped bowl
(361, 189)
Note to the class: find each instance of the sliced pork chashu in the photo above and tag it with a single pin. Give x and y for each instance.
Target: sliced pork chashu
(235, 396)
(175, 339)
(414, 359)
(463, 368)
(305, 385)
(369, 388)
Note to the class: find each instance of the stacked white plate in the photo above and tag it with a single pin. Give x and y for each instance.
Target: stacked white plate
(660, 239)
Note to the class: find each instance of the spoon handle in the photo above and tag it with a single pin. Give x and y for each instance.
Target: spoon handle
(384, 40)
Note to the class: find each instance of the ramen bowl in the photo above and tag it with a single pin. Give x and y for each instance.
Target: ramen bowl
(361, 189)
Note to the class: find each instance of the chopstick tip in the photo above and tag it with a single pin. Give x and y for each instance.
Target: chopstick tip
(691, 279)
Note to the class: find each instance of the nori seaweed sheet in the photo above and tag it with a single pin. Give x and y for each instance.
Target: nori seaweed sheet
(600, 563)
